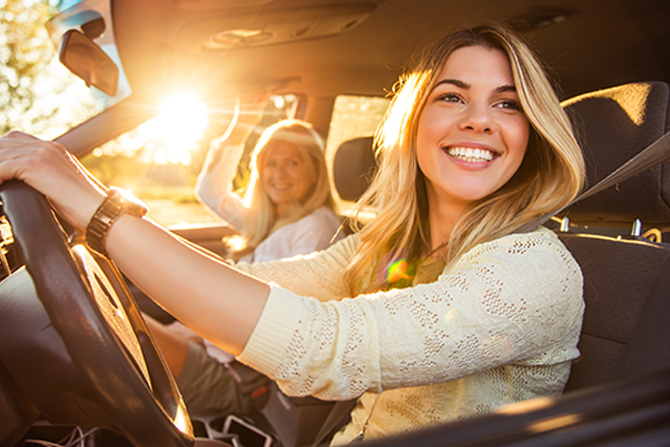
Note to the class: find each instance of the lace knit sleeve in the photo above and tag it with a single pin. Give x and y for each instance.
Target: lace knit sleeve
(516, 300)
(316, 275)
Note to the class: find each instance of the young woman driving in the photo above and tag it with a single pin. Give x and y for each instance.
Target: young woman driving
(453, 309)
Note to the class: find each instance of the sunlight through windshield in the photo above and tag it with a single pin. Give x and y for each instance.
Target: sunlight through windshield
(179, 127)
(159, 160)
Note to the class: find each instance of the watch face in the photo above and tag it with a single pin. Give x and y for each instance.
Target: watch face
(130, 203)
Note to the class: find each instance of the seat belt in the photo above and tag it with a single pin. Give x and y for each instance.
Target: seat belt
(336, 415)
(656, 153)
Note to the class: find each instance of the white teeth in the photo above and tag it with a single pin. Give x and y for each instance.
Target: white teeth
(469, 154)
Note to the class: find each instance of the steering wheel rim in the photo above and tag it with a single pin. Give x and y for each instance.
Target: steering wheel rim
(146, 408)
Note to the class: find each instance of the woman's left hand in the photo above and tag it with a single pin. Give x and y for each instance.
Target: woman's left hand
(50, 169)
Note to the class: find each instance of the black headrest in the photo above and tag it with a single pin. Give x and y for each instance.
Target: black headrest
(353, 167)
(612, 126)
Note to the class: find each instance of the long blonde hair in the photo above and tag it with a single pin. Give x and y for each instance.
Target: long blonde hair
(262, 219)
(550, 176)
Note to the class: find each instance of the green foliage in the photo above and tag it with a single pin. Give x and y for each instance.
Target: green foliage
(33, 84)
(23, 46)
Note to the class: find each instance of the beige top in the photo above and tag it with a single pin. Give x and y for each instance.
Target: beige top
(500, 327)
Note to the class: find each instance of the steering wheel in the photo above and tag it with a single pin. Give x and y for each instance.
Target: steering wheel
(73, 338)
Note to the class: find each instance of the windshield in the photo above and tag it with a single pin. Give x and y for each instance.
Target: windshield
(38, 94)
(159, 161)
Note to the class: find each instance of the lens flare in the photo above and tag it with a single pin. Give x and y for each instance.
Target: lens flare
(397, 271)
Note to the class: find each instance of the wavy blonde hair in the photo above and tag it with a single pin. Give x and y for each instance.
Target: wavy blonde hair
(262, 219)
(550, 176)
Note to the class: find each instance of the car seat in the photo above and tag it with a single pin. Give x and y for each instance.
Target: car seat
(626, 276)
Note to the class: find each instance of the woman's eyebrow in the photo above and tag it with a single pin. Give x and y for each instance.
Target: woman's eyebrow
(456, 82)
(506, 88)
(465, 86)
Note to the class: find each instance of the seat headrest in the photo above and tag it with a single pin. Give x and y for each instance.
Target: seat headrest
(612, 126)
(353, 168)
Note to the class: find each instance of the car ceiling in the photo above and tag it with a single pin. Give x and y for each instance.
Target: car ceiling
(593, 44)
(598, 43)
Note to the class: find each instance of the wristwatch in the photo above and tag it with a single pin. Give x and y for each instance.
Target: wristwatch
(118, 201)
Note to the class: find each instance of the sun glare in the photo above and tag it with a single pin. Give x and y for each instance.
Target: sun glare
(180, 125)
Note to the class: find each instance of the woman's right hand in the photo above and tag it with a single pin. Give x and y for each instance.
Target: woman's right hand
(225, 151)
(248, 113)
(146, 253)
(50, 169)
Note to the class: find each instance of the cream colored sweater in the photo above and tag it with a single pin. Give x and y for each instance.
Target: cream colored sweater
(500, 327)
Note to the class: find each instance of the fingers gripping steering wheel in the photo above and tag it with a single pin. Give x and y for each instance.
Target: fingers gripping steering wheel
(116, 362)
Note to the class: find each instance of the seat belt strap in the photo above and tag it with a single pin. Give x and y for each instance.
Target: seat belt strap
(656, 153)
(336, 415)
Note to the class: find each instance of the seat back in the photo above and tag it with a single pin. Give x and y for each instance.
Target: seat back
(627, 293)
(613, 125)
(626, 280)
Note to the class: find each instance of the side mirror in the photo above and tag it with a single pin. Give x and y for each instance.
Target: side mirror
(87, 60)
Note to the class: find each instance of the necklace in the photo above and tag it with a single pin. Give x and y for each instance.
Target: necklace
(361, 434)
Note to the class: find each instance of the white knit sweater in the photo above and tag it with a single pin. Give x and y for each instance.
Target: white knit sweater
(501, 326)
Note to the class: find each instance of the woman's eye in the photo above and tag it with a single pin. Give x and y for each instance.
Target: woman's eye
(450, 97)
(510, 104)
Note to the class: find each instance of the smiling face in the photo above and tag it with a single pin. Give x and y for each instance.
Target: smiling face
(472, 134)
(286, 179)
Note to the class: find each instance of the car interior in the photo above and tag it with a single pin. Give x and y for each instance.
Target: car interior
(67, 360)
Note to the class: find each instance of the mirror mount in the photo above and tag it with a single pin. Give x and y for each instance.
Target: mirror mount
(94, 28)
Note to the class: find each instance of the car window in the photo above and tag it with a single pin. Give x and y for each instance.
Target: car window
(159, 161)
(354, 116)
(38, 94)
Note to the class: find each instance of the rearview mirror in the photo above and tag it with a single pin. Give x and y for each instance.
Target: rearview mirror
(87, 60)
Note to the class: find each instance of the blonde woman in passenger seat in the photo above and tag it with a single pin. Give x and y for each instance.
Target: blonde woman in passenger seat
(287, 210)
(443, 307)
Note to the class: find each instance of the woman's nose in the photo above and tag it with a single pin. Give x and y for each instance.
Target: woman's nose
(279, 170)
(477, 118)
